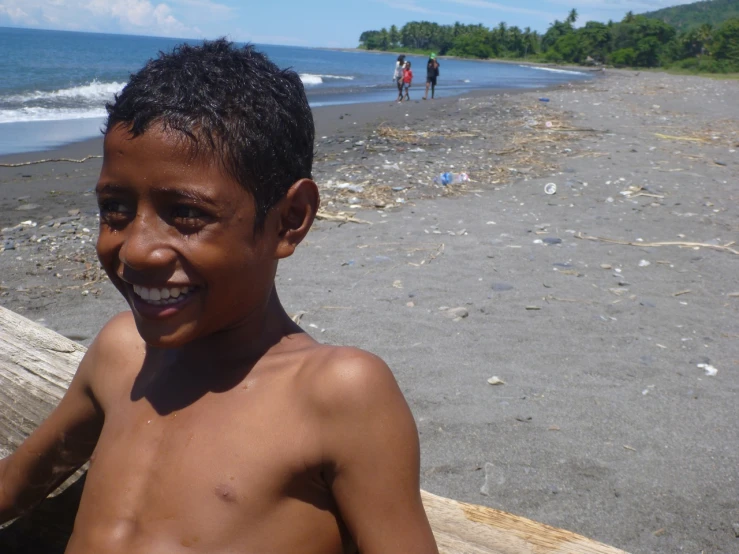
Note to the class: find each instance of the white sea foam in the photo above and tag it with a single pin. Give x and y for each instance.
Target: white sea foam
(95, 90)
(551, 69)
(310, 79)
(49, 114)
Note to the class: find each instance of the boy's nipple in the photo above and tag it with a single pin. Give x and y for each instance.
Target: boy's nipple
(226, 493)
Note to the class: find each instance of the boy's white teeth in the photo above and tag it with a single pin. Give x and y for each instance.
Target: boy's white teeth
(160, 296)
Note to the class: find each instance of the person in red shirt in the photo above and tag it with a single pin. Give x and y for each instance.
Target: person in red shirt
(407, 79)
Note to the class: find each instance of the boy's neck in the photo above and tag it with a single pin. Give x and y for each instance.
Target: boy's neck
(247, 339)
(172, 379)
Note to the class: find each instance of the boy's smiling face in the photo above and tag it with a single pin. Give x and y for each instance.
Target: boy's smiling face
(177, 238)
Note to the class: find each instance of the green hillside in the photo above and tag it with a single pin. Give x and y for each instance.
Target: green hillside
(690, 16)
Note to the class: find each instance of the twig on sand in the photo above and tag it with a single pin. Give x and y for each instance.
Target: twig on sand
(432, 257)
(634, 191)
(722, 248)
(558, 299)
(439, 251)
(576, 129)
(672, 137)
(340, 217)
(82, 160)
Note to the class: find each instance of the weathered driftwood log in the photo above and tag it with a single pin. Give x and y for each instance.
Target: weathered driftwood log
(36, 365)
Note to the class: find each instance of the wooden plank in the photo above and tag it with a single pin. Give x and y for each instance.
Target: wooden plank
(462, 528)
(36, 366)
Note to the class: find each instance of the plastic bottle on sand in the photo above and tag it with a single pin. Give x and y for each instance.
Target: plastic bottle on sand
(447, 178)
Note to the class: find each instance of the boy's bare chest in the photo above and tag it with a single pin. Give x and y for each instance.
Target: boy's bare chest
(227, 467)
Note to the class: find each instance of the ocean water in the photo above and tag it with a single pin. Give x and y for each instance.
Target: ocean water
(55, 84)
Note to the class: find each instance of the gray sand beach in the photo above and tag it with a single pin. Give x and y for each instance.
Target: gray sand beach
(608, 312)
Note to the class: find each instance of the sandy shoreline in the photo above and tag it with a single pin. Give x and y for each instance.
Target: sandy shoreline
(605, 424)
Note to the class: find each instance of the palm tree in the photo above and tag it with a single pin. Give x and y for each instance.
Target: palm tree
(502, 35)
(515, 41)
(394, 35)
(384, 39)
(572, 17)
(705, 34)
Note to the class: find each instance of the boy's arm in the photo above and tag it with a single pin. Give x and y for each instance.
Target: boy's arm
(58, 447)
(372, 446)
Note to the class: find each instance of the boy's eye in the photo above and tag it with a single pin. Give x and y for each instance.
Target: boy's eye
(113, 206)
(114, 211)
(187, 213)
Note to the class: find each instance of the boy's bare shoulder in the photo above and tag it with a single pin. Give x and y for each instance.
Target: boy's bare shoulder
(345, 378)
(117, 347)
(118, 334)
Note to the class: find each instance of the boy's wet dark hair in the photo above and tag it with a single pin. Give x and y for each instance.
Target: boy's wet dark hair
(231, 103)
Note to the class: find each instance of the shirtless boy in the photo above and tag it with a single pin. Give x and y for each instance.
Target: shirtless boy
(212, 422)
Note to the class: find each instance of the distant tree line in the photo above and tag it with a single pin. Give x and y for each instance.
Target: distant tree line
(636, 41)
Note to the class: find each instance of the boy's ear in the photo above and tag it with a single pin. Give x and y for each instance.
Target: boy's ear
(297, 210)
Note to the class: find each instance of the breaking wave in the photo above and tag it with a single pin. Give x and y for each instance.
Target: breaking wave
(552, 70)
(49, 114)
(92, 91)
(310, 79)
(78, 102)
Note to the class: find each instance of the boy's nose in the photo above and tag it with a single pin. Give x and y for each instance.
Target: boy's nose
(145, 246)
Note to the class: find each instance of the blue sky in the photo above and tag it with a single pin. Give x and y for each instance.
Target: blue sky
(332, 23)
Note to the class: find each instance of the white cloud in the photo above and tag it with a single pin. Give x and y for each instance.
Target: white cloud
(139, 16)
(177, 18)
(16, 15)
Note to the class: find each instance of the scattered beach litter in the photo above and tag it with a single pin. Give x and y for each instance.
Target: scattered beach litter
(455, 314)
(495, 380)
(709, 369)
(395, 165)
(448, 178)
(296, 317)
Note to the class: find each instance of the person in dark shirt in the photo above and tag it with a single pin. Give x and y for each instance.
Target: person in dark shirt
(432, 72)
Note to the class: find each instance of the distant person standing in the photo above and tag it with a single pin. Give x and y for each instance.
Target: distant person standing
(398, 75)
(432, 72)
(407, 80)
